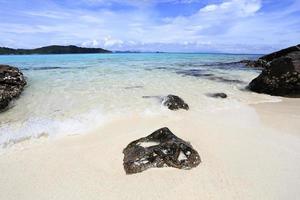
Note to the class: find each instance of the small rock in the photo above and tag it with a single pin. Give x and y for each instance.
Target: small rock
(218, 95)
(174, 103)
(161, 148)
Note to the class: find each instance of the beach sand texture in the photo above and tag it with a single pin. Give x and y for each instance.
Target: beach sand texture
(248, 152)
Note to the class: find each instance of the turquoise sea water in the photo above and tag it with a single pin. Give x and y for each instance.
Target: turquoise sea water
(73, 94)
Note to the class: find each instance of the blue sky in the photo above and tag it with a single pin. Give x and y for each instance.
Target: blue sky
(233, 26)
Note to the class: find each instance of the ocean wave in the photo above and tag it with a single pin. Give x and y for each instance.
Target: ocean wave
(39, 127)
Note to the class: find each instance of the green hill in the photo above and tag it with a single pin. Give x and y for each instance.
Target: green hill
(54, 49)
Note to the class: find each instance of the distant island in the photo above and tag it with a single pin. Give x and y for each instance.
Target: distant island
(53, 49)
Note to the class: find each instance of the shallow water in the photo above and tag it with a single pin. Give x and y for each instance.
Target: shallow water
(74, 94)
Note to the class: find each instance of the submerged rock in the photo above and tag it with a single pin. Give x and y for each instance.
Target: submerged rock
(161, 148)
(218, 95)
(280, 77)
(12, 83)
(209, 76)
(174, 103)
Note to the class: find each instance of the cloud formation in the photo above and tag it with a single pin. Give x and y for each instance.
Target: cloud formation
(237, 26)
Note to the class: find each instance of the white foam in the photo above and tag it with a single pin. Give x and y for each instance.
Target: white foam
(38, 127)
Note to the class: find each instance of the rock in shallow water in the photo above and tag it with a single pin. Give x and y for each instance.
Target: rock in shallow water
(174, 103)
(161, 148)
(218, 95)
(12, 83)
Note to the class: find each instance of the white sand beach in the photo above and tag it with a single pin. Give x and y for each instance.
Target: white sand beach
(247, 152)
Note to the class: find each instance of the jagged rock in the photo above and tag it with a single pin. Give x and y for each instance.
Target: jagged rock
(161, 148)
(292, 52)
(280, 77)
(12, 83)
(288, 52)
(174, 103)
(253, 63)
(218, 95)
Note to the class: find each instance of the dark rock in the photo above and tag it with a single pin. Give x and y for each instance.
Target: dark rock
(218, 95)
(12, 83)
(263, 62)
(161, 148)
(174, 103)
(280, 77)
(254, 63)
(284, 52)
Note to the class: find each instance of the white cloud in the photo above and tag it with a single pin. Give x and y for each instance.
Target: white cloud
(232, 25)
(209, 8)
(92, 43)
(234, 7)
(110, 42)
(47, 14)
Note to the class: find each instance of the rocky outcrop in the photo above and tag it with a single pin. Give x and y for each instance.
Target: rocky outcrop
(264, 61)
(292, 52)
(160, 149)
(280, 77)
(174, 103)
(12, 83)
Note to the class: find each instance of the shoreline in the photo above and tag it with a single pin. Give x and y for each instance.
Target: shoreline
(245, 156)
(286, 112)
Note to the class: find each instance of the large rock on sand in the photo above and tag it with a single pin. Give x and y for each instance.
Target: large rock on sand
(281, 77)
(161, 148)
(12, 83)
(280, 73)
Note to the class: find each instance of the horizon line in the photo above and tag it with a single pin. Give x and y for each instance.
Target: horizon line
(130, 51)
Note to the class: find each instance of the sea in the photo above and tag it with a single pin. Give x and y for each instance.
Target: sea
(78, 93)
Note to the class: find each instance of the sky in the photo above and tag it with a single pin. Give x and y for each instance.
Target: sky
(231, 26)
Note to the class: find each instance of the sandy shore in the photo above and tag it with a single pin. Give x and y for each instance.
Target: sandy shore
(248, 152)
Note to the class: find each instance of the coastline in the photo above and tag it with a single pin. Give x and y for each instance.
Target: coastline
(248, 152)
